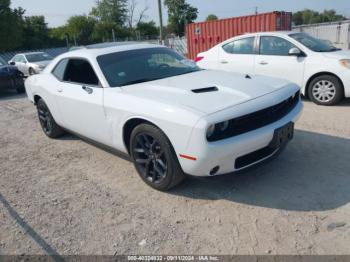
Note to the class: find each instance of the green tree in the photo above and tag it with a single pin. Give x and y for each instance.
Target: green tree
(111, 11)
(147, 29)
(211, 17)
(81, 28)
(103, 31)
(35, 32)
(11, 26)
(180, 13)
(308, 16)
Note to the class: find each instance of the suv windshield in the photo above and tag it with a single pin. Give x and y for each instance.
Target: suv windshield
(313, 43)
(143, 65)
(32, 58)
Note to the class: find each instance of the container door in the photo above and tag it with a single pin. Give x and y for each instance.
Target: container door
(238, 56)
(274, 60)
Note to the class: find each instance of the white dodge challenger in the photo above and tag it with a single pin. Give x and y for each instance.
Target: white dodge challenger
(169, 116)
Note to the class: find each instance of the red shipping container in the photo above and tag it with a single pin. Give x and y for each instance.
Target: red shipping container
(203, 36)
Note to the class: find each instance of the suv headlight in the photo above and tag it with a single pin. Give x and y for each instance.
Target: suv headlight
(345, 63)
(218, 129)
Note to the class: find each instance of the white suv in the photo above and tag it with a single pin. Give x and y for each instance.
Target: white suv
(321, 70)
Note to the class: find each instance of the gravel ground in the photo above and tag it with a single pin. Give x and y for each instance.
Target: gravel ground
(68, 197)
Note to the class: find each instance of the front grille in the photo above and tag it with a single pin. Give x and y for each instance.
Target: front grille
(258, 119)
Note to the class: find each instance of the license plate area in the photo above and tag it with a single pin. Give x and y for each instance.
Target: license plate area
(282, 136)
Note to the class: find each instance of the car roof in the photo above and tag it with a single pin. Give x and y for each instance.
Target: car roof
(270, 33)
(100, 49)
(31, 53)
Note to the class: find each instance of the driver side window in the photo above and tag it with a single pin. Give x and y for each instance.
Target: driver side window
(81, 72)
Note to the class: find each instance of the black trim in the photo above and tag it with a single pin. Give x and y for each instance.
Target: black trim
(205, 90)
(281, 137)
(256, 120)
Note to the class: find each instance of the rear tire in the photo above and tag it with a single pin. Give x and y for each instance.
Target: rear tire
(47, 122)
(154, 158)
(326, 90)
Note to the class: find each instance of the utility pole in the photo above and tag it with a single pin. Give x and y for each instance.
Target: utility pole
(113, 35)
(160, 21)
(256, 10)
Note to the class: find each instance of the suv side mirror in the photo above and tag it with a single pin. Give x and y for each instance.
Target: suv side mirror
(295, 52)
(12, 63)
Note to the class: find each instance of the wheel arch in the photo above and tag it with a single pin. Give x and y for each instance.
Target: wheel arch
(130, 125)
(36, 99)
(311, 78)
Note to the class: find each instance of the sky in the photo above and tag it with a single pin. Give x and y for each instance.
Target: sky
(57, 12)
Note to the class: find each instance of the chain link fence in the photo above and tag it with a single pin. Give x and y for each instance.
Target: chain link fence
(338, 33)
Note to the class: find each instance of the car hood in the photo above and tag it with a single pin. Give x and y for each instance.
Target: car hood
(232, 89)
(341, 54)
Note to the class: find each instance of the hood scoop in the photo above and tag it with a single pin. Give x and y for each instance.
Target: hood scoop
(205, 90)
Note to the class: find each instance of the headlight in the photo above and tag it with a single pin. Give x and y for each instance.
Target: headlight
(217, 130)
(345, 63)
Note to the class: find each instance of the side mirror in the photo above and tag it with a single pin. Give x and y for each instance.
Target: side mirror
(12, 63)
(295, 52)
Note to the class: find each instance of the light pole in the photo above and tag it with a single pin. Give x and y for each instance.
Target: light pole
(160, 21)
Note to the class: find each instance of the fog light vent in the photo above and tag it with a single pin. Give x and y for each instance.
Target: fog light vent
(214, 170)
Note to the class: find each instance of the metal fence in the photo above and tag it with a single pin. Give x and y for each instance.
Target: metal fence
(336, 32)
(51, 51)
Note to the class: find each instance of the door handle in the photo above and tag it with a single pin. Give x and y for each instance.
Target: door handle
(59, 90)
(87, 89)
(263, 63)
(224, 62)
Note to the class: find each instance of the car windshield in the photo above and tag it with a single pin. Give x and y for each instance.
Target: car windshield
(32, 58)
(313, 43)
(143, 65)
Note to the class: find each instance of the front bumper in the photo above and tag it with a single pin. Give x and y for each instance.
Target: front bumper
(226, 153)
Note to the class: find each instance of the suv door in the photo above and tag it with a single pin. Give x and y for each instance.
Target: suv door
(79, 97)
(238, 56)
(274, 60)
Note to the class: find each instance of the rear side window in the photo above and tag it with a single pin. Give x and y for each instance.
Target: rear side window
(81, 72)
(60, 69)
(272, 45)
(243, 46)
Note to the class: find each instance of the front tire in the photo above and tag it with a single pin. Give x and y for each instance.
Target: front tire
(154, 158)
(31, 71)
(326, 90)
(47, 122)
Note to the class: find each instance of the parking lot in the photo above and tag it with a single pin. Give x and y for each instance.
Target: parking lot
(66, 196)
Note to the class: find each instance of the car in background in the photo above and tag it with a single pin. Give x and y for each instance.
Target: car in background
(31, 63)
(11, 77)
(320, 69)
(168, 115)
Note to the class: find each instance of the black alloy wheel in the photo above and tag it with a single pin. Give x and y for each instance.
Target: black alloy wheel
(48, 124)
(154, 158)
(150, 158)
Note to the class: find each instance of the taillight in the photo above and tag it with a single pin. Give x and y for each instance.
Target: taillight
(199, 58)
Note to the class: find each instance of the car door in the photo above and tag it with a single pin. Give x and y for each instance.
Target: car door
(79, 97)
(21, 63)
(274, 60)
(238, 56)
